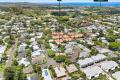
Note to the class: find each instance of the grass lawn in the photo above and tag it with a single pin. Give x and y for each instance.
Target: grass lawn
(2, 67)
(75, 74)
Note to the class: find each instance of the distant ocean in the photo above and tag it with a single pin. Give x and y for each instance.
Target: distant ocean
(114, 4)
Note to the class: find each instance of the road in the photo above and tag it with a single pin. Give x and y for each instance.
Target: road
(11, 54)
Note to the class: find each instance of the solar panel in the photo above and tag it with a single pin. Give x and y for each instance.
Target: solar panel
(100, 0)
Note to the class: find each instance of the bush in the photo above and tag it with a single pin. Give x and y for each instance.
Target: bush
(114, 46)
(51, 53)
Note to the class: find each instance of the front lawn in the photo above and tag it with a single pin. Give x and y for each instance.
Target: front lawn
(2, 66)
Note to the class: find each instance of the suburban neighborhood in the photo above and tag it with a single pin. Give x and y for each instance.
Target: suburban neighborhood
(83, 44)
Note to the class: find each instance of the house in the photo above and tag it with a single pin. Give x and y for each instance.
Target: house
(98, 58)
(69, 47)
(24, 61)
(39, 59)
(85, 62)
(2, 49)
(103, 50)
(60, 72)
(37, 53)
(28, 69)
(21, 51)
(33, 77)
(103, 39)
(71, 68)
(32, 39)
(35, 47)
(39, 34)
(60, 37)
(54, 47)
(46, 74)
(92, 72)
(108, 65)
(0, 58)
(116, 75)
(84, 54)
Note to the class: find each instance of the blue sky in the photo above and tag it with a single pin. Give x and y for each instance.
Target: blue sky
(36, 1)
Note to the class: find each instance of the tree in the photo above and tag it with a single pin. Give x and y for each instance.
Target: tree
(102, 77)
(51, 53)
(19, 75)
(1, 41)
(67, 61)
(28, 54)
(39, 70)
(60, 58)
(94, 52)
(62, 48)
(101, 34)
(15, 63)
(9, 73)
(52, 70)
(114, 46)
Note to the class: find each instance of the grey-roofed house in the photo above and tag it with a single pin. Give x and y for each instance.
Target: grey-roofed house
(86, 62)
(108, 65)
(33, 77)
(93, 72)
(21, 51)
(98, 58)
(2, 49)
(0, 58)
(103, 50)
(84, 54)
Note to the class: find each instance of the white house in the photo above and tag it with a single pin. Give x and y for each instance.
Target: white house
(108, 65)
(2, 49)
(0, 58)
(98, 58)
(93, 72)
(60, 72)
(24, 61)
(103, 50)
(86, 62)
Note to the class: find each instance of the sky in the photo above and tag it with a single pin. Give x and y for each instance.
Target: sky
(44, 1)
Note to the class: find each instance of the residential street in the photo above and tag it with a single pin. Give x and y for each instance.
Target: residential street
(11, 54)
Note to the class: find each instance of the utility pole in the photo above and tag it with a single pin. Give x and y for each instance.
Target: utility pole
(59, 14)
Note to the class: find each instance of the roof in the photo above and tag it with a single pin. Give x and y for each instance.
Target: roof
(28, 69)
(92, 71)
(84, 54)
(108, 65)
(98, 57)
(34, 77)
(103, 50)
(35, 47)
(38, 59)
(116, 75)
(85, 61)
(46, 74)
(21, 48)
(24, 61)
(36, 53)
(71, 68)
(2, 49)
(60, 71)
